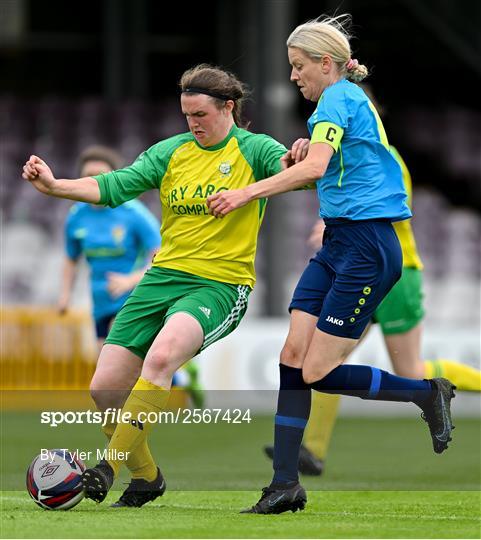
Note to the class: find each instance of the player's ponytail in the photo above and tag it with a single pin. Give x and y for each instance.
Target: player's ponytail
(355, 71)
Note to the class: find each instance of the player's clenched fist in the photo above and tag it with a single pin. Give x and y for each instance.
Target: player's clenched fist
(39, 174)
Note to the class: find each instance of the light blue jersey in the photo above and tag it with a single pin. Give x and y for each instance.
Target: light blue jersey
(363, 180)
(112, 240)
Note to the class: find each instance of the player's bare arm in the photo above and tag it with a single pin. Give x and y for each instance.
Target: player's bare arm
(39, 174)
(300, 174)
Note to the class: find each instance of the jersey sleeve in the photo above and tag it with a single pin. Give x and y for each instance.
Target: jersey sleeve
(332, 107)
(328, 133)
(147, 227)
(267, 154)
(119, 186)
(330, 118)
(73, 246)
(144, 174)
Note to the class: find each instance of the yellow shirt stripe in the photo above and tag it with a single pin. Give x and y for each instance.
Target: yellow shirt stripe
(380, 126)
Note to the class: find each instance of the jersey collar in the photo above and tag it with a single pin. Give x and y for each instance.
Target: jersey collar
(221, 144)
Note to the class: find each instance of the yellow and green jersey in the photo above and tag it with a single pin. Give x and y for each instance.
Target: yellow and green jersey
(403, 229)
(186, 174)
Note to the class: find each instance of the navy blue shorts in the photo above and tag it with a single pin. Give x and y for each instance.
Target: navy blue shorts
(345, 282)
(102, 325)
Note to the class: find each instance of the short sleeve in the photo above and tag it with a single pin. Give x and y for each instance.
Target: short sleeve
(144, 174)
(332, 108)
(264, 155)
(119, 186)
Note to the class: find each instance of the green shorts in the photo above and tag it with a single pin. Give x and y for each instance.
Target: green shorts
(402, 308)
(219, 308)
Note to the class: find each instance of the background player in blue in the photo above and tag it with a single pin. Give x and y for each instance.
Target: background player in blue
(118, 244)
(360, 189)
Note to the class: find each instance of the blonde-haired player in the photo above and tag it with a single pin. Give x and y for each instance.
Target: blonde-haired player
(360, 190)
(400, 316)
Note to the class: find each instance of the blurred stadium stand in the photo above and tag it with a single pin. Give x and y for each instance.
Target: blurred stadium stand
(57, 129)
(108, 76)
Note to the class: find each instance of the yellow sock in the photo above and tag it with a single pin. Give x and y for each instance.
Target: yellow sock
(462, 376)
(145, 398)
(140, 463)
(321, 423)
(109, 429)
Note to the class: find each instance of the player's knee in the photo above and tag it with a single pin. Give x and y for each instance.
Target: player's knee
(101, 394)
(312, 373)
(309, 375)
(160, 360)
(292, 356)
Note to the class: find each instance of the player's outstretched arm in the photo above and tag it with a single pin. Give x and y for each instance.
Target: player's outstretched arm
(39, 174)
(300, 174)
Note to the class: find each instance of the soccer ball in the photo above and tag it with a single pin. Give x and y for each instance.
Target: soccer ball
(54, 479)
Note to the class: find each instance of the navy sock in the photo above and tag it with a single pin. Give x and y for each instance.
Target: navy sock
(371, 383)
(293, 408)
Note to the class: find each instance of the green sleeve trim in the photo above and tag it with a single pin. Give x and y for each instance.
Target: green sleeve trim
(328, 133)
(144, 174)
(103, 191)
(262, 153)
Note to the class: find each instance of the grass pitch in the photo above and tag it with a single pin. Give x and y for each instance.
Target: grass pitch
(214, 514)
(382, 480)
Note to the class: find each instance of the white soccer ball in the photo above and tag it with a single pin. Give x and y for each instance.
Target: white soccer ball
(54, 479)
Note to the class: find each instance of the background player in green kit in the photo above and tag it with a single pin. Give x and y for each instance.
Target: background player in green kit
(197, 289)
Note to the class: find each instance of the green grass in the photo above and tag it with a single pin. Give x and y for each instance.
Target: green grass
(213, 514)
(382, 480)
